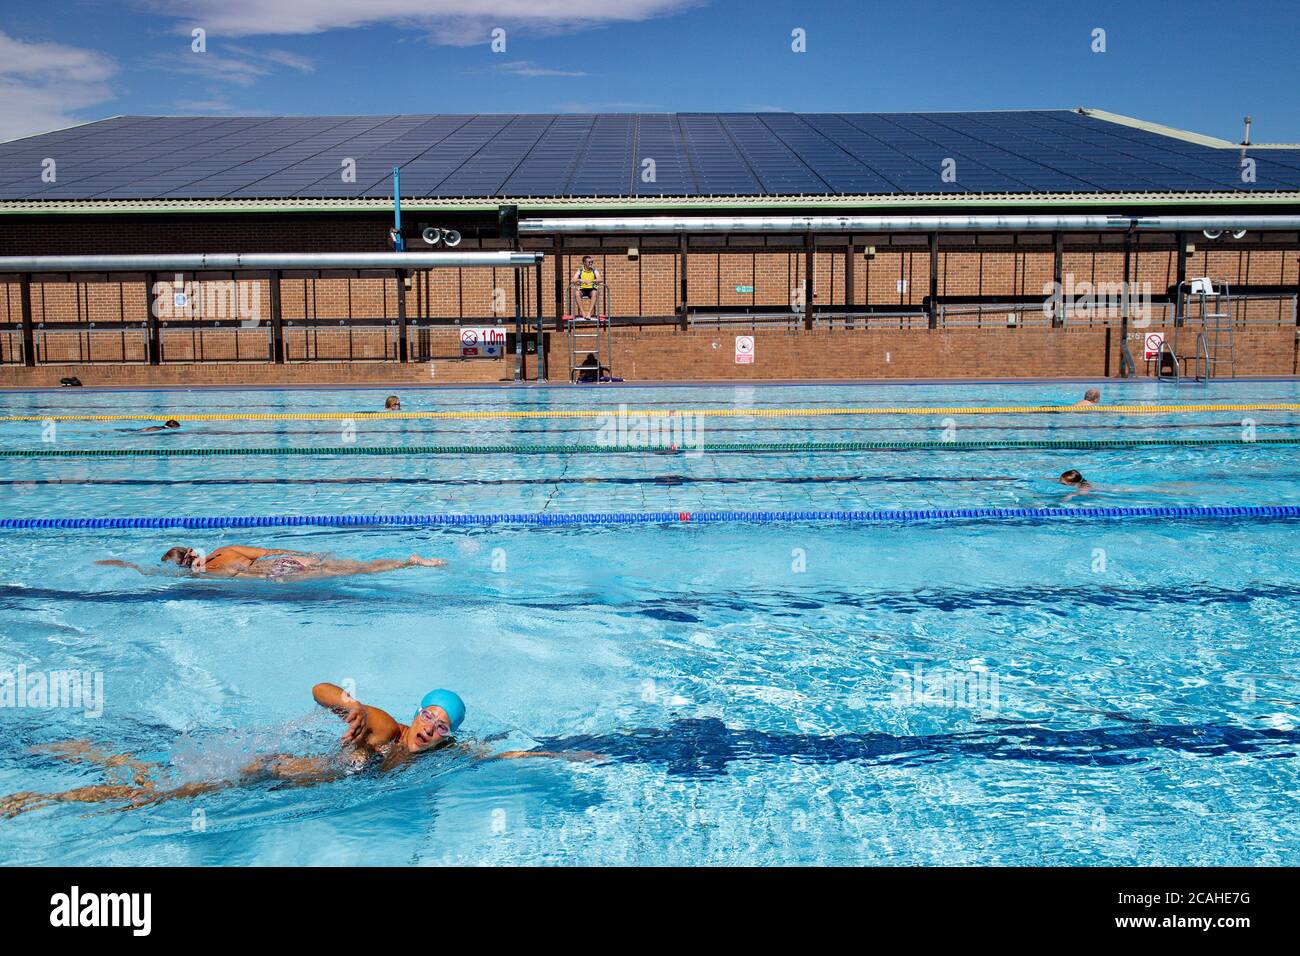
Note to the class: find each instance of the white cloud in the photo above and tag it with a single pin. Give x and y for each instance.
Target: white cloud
(237, 65)
(43, 84)
(528, 68)
(278, 57)
(451, 22)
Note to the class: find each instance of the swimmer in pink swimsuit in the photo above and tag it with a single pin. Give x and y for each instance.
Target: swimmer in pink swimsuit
(275, 564)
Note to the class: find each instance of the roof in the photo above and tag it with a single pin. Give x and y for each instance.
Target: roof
(477, 160)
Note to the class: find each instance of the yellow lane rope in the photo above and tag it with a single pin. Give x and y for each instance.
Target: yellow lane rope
(666, 413)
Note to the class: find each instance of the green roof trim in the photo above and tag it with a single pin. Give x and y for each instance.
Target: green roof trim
(628, 205)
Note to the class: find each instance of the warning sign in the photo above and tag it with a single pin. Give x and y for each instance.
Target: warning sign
(1153, 342)
(744, 350)
(482, 342)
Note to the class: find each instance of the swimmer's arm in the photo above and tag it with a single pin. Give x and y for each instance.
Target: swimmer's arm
(114, 563)
(571, 756)
(332, 696)
(480, 752)
(365, 723)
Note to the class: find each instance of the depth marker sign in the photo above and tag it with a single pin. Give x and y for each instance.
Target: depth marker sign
(482, 341)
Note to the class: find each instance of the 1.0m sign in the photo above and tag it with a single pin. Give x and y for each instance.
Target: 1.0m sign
(482, 341)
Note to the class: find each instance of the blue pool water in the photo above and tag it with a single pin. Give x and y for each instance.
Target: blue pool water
(945, 693)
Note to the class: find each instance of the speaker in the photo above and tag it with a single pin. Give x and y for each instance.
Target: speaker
(433, 236)
(451, 237)
(508, 222)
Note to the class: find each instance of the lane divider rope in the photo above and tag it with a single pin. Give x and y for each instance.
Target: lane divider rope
(1078, 444)
(667, 413)
(653, 517)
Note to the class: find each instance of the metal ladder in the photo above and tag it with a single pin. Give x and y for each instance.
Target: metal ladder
(1214, 348)
(590, 338)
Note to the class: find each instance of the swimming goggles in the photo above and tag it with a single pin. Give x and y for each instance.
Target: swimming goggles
(441, 726)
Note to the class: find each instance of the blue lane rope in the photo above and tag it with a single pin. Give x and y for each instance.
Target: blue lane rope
(651, 517)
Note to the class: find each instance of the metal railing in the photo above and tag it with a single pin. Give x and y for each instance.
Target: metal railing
(91, 343)
(898, 320)
(1273, 311)
(345, 340)
(11, 344)
(751, 320)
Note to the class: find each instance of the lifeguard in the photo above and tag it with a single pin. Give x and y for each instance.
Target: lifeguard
(587, 279)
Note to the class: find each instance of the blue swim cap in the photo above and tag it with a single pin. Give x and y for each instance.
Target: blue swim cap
(449, 701)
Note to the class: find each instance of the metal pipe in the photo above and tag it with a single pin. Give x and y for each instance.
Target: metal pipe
(264, 261)
(398, 242)
(696, 225)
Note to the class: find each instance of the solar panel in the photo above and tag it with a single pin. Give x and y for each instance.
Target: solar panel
(606, 154)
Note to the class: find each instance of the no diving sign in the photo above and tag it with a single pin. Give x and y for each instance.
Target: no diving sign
(1153, 342)
(744, 350)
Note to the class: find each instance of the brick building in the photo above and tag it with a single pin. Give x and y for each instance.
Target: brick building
(849, 246)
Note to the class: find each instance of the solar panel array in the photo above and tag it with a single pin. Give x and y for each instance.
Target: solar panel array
(621, 154)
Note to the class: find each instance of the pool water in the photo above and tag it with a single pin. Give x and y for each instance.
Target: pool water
(967, 692)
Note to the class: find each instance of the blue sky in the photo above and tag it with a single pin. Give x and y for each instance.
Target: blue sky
(1197, 65)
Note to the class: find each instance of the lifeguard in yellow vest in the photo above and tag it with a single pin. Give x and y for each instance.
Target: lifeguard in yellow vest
(587, 279)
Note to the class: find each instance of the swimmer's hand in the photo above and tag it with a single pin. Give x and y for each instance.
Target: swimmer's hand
(416, 561)
(573, 756)
(357, 719)
(114, 563)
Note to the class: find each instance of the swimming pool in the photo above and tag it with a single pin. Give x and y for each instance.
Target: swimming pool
(938, 692)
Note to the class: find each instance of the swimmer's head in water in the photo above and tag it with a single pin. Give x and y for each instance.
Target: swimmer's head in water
(1092, 395)
(182, 557)
(1071, 477)
(171, 423)
(440, 713)
(393, 403)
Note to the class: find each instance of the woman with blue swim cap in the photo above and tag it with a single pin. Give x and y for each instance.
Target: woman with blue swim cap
(371, 733)
(375, 731)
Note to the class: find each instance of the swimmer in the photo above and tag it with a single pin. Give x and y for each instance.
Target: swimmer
(372, 736)
(392, 404)
(374, 739)
(1091, 397)
(1076, 481)
(1072, 477)
(274, 564)
(166, 426)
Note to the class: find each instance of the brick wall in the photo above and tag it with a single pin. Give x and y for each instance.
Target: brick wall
(649, 285)
(669, 354)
